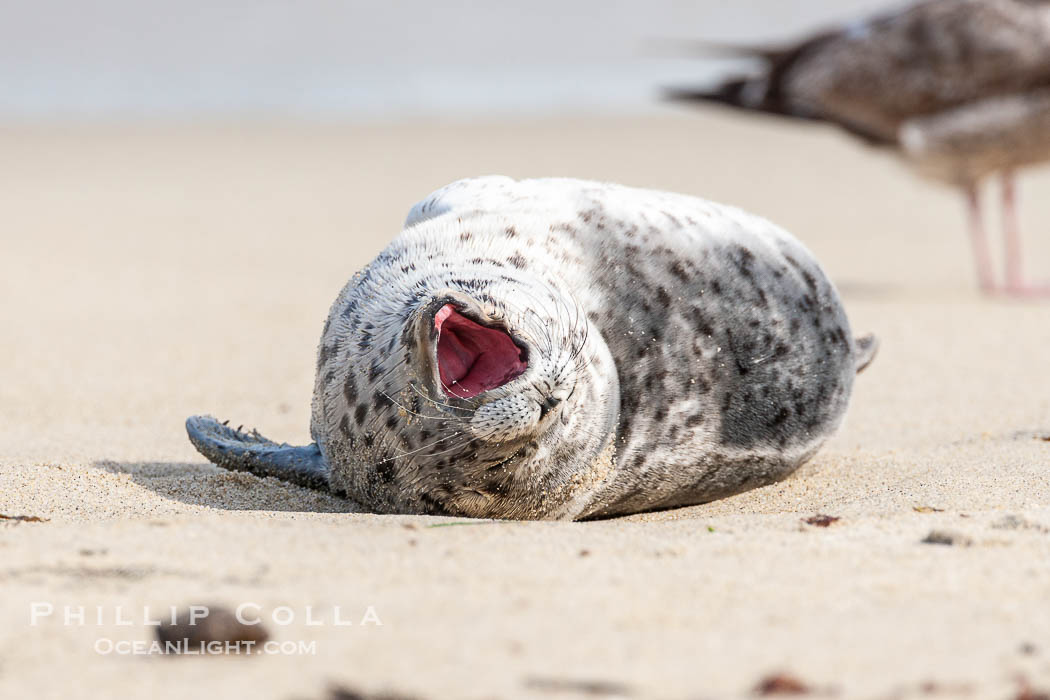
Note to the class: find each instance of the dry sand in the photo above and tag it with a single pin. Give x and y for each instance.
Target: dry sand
(151, 272)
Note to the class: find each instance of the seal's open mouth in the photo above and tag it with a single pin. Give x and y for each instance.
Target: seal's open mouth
(473, 358)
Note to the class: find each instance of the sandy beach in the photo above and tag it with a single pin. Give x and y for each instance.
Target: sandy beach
(152, 272)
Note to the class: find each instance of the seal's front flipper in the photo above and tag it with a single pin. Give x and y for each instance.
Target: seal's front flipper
(866, 347)
(251, 452)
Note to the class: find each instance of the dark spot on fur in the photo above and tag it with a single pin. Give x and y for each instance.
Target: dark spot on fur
(432, 506)
(700, 322)
(672, 218)
(781, 416)
(496, 486)
(678, 271)
(380, 400)
(360, 413)
(739, 349)
(323, 355)
(385, 471)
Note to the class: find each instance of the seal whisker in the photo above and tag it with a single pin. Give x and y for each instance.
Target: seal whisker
(440, 404)
(424, 447)
(458, 446)
(538, 324)
(420, 415)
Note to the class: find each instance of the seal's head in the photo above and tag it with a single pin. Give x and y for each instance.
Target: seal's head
(495, 401)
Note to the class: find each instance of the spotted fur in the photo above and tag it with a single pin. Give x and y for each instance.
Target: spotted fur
(678, 351)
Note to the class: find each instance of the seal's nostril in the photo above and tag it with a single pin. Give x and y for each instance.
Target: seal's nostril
(548, 404)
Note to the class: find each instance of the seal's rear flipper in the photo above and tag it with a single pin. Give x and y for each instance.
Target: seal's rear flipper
(866, 348)
(251, 452)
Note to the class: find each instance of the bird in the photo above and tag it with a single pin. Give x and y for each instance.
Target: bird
(960, 89)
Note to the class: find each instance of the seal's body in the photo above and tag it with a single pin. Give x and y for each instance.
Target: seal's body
(565, 349)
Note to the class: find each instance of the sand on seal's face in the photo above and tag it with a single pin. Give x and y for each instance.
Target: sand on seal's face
(149, 273)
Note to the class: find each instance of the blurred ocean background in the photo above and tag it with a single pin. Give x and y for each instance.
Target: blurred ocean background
(323, 59)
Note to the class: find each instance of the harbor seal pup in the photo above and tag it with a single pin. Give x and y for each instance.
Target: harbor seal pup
(562, 349)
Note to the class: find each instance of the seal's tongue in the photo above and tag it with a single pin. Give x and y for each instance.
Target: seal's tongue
(471, 357)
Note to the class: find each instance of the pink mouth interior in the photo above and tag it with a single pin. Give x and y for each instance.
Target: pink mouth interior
(471, 357)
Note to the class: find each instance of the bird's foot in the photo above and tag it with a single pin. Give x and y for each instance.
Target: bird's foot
(1026, 290)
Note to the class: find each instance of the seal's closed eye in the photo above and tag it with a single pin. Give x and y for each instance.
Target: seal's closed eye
(473, 358)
